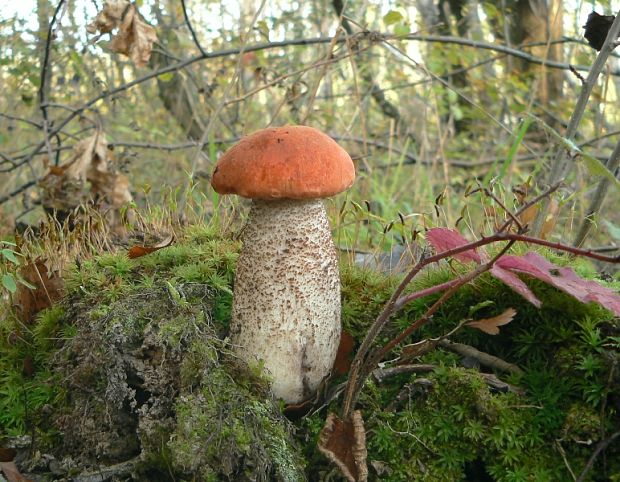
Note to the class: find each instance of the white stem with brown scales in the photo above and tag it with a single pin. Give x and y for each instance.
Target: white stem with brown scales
(286, 308)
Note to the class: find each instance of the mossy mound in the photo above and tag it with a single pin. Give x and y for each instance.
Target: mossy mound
(131, 371)
(137, 370)
(451, 425)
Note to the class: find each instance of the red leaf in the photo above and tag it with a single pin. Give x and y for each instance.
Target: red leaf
(514, 282)
(568, 281)
(444, 239)
(564, 279)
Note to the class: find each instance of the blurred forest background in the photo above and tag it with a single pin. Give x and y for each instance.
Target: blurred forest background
(428, 96)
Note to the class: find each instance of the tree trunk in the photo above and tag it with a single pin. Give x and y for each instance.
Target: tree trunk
(540, 21)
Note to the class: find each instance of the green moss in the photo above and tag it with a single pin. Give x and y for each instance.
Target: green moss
(223, 428)
(136, 354)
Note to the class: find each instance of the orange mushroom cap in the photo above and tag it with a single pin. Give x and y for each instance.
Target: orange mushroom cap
(291, 162)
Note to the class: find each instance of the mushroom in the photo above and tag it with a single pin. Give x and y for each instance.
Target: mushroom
(286, 305)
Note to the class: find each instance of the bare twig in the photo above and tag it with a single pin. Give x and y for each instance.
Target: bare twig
(191, 29)
(363, 365)
(44, 78)
(484, 358)
(602, 445)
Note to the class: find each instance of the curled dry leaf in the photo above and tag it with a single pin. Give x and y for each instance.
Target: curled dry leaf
(90, 159)
(11, 472)
(344, 443)
(138, 251)
(65, 187)
(343, 356)
(48, 289)
(134, 38)
(491, 325)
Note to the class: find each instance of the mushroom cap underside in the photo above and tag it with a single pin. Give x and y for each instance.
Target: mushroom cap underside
(291, 162)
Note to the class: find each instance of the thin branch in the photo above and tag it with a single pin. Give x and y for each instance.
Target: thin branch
(17, 191)
(499, 48)
(560, 167)
(191, 29)
(362, 366)
(484, 358)
(43, 80)
(371, 36)
(602, 445)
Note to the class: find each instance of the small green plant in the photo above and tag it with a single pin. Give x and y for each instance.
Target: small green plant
(9, 259)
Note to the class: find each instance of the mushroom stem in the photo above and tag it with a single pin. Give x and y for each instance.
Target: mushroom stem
(286, 308)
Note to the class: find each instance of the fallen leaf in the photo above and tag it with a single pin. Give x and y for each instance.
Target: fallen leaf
(134, 38)
(445, 239)
(513, 281)
(491, 325)
(138, 251)
(343, 356)
(343, 442)
(48, 288)
(11, 472)
(7, 455)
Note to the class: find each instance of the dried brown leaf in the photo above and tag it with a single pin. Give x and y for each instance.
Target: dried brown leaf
(343, 442)
(110, 16)
(138, 251)
(48, 289)
(7, 455)
(134, 38)
(343, 356)
(491, 325)
(90, 158)
(11, 472)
